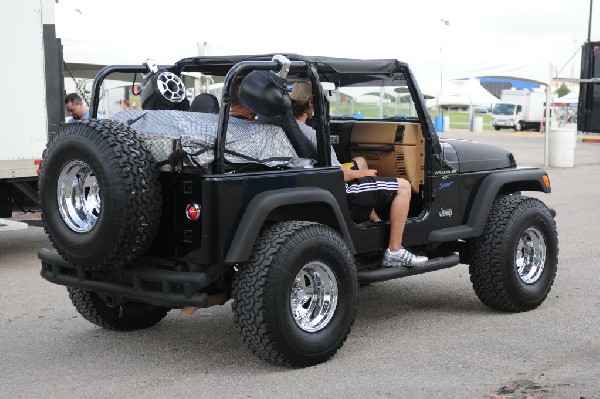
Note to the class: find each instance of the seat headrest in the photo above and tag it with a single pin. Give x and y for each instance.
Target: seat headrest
(264, 93)
(206, 103)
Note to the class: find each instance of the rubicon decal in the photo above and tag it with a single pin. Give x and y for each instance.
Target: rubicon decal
(445, 172)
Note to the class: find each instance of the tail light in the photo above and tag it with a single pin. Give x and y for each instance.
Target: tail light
(192, 211)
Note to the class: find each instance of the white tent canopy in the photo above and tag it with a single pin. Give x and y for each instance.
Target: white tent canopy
(465, 92)
(358, 92)
(570, 98)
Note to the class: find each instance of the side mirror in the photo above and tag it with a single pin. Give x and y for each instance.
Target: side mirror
(328, 86)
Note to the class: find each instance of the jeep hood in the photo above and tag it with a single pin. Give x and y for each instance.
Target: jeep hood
(471, 156)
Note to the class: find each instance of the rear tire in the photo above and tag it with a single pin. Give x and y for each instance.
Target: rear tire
(100, 194)
(127, 316)
(295, 298)
(515, 260)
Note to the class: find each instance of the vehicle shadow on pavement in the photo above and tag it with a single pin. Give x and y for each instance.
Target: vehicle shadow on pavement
(176, 343)
(418, 297)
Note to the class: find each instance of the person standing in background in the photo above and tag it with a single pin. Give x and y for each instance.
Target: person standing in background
(76, 108)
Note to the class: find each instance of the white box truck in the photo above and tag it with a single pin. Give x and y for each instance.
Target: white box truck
(519, 110)
(31, 104)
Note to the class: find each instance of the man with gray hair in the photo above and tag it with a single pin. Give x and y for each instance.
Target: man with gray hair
(368, 195)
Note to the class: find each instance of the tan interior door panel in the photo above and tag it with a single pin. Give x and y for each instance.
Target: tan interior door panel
(385, 133)
(394, 149)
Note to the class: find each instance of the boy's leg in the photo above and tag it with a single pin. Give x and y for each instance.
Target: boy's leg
(360, 163)
(398, 214)
(396, 255)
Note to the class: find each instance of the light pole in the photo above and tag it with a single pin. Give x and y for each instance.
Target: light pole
(590, 21)
(445, 22)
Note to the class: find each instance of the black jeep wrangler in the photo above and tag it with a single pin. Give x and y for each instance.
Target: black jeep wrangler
(180, 206)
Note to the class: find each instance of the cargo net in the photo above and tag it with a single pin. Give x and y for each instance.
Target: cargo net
(246, 142)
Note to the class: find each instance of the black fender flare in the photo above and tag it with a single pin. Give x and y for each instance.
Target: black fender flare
(262, 204)
(530, 179)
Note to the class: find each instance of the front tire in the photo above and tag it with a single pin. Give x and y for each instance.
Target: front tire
(515, 259)
(295, 298)
(127, 316)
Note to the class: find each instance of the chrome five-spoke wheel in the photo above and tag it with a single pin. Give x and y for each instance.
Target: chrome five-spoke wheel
(531, 255)
(78, 193)
(314, 296)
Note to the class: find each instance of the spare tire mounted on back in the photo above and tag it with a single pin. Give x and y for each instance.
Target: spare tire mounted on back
(100, 196)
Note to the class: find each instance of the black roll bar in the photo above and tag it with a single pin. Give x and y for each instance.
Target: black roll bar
(110, 69)
(237, 70)
(234, 72)
(320, 115)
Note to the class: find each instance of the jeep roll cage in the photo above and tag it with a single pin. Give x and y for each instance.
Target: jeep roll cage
(341, 71)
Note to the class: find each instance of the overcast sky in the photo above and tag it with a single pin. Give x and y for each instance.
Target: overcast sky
(519, 37)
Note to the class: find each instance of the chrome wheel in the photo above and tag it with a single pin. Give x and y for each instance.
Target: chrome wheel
(530, 257)
(78, 193)
(314, 296)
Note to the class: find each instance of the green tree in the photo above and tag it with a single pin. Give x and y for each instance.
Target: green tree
(563, 90)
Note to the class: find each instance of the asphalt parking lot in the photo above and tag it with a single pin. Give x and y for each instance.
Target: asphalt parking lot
(425, 336)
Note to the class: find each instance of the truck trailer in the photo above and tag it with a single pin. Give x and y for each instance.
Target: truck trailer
(32, 105)
(519, 110)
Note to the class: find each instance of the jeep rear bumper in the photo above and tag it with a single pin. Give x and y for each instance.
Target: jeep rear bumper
(153, 285)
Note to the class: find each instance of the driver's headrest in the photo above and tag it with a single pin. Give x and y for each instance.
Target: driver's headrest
(265, 93)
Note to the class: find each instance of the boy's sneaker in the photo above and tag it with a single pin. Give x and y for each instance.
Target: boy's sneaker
(402, 257)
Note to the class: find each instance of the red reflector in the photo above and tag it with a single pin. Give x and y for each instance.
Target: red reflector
(192, 211)
(37, 161)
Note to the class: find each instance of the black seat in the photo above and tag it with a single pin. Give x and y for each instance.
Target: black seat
(343, 131)
(206, 103)
(302, 145)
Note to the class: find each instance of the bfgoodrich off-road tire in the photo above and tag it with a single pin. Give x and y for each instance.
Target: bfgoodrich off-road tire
(515, 259)
(125, 317)
(295, 298)
(100, 194)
